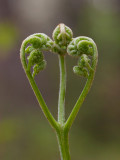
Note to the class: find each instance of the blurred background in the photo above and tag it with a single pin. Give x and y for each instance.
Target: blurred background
(24, 132)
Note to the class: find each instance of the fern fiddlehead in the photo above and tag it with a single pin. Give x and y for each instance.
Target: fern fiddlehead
(84, 48)
(62, 35)
(33, 62)
(39, 42)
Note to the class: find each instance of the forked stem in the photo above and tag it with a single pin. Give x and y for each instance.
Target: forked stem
(81, 47)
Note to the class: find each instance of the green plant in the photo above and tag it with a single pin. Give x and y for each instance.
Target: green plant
(82, 47)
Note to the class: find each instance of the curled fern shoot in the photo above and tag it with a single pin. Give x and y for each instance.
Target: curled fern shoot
(32, 59)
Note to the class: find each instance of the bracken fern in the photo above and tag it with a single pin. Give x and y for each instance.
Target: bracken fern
(32, 58)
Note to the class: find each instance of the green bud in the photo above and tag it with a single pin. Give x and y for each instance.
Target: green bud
(62, 36)
(46, 42)
(79, 46)
(80, 71)
(84, 47)
(84, 61)
(35, 57)
(38, 67)
(36, 42)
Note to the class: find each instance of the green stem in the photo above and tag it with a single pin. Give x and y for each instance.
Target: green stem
(79, 102)
(61, 100)
(61, 127)
(62, 136)
(41, 102)
(85, 91)
(38, 95)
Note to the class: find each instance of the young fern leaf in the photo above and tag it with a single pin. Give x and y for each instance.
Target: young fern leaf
(38, 43)
(62, 35)
(32, 58)
(83, 48)
(83, 68)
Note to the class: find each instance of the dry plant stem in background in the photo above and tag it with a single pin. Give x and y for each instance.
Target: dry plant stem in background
(32, 58)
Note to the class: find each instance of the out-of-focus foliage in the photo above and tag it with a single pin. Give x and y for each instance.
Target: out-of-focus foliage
(8, 37)
(24, 132)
